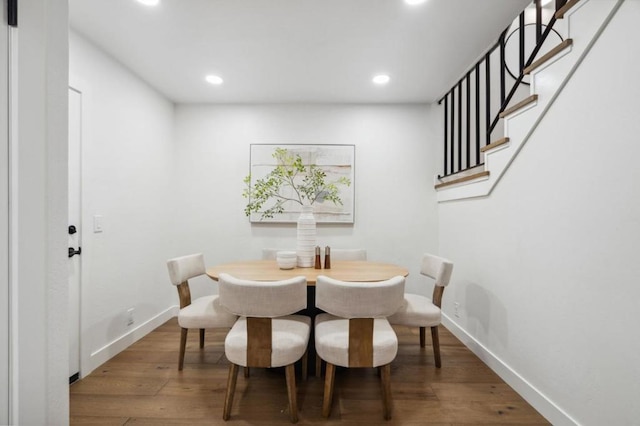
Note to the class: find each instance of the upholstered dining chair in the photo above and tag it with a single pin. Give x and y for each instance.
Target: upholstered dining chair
(266, 334)
(354, 331)
(341, 254)
(348, 254)
(202, 313)
(272, 253)
(420, 311)
(336, 254)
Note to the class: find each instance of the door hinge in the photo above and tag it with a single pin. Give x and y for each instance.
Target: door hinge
(12, 13)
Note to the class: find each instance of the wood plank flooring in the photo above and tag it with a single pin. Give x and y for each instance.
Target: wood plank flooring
(142, 386)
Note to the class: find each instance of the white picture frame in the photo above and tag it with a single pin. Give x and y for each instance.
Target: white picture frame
(335, 160)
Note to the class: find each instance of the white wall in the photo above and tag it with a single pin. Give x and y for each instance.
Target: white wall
(39, 380)
(546, 269)
(165, 193)
(128, 178)
(395, 213)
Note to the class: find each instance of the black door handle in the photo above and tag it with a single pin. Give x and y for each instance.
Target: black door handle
(73, 252)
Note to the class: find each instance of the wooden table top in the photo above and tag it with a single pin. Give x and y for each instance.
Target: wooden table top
(267, 270)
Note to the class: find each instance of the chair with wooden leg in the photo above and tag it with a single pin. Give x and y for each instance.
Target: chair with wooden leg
(341, 254)
(266, 334)
(336, 254)
(202, 313)
(420, 311)
(354, 331)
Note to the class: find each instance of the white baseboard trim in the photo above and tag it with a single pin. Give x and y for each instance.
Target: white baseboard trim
(533, 396)
(112, 349)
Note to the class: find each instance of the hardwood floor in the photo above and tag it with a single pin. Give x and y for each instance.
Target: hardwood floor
(142, 385)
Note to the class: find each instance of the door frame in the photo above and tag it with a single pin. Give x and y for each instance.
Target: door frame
(72, 321)
(5, 230)
(78, 85)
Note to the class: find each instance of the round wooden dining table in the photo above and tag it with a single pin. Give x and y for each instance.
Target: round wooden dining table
(344, 270)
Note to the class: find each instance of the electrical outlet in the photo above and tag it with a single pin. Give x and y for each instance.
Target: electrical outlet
(456, 309)
(130, 320)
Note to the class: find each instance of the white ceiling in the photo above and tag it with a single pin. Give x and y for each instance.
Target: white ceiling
(278, 51)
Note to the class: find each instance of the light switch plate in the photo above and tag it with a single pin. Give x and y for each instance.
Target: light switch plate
(97, 223)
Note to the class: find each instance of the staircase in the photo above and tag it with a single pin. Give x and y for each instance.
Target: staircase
(578, 23)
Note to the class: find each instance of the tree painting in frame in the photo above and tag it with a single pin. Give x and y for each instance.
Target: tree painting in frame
(337, 161)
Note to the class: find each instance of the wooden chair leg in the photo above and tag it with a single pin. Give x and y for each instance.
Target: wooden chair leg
(201, 338)
(305, 365)
(318, 366)
(422, 337)
(247, 372)
(385, 382)
(231, 389)
(290, 372)
(328, 389)
(183, 345)
(436, 345)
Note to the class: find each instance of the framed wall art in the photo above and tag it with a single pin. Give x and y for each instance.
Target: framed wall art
(284, 177)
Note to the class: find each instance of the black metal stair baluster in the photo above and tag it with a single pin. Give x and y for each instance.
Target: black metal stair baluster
(521, 44)
(453, 103)
(538, 21)
(446, 136)
(503, 68)
(459, 125)
(477, 113)
(468, 145)
(487, 95)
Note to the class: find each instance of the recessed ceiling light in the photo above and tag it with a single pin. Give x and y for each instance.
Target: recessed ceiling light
(149, 2)
(214, 79)
(412, 2)
(381, 79)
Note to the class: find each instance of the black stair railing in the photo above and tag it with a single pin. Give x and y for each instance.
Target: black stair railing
(470, 119)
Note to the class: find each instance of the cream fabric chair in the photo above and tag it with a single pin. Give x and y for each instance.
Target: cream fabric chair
(341, 254)
(336, 254)
(347, 254)
(266, 334)
(202, 313)
(420, 311)
(354, 331)
(271, 253)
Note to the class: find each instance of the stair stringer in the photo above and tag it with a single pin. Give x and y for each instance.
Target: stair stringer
(583, 23)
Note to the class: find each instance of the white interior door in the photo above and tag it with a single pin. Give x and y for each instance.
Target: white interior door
(75, 230)
(4, 220)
